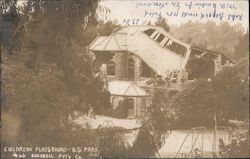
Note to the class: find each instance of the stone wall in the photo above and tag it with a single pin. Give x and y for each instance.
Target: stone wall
(121, 64)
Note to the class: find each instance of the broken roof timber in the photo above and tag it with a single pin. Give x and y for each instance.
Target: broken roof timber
(133, 39)
(212, 52)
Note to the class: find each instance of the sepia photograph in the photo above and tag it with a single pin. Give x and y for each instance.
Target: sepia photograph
(124, 79)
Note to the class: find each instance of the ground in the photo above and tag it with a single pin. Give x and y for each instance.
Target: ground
(173, 141)
(95, 121)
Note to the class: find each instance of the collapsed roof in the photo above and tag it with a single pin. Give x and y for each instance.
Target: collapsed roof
(156, 47)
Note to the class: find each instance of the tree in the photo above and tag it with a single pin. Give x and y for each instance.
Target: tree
(113, 145)
(242, 48)
(227, 94)
(9, 20)
(144, 145)
(107, 28)
(162, 22)
(238, 147)
(45, 76)
(38, 99)
(218, 37)
(156, 126)
(199, 67)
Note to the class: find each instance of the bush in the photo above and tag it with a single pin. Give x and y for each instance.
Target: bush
(112, 145)
(239, 145)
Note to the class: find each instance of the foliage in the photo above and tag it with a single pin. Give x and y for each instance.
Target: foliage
(144, 146)
(151, 136)
(228, 91)
(38, 100)
(162, 22)
(47, 74)
(9, 20)
(107, 28)
(233, 88)
(46, 70)
(97, 97)
(219, 37)
(156, 126)
(200, 67)
(227, 94)
(112, 145)
(239, 145)
(242, 48)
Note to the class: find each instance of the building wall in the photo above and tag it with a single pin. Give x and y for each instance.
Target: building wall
(121, 66)
(100, 58)
(121, 73)
(138, 63)
(121, 63)
(121, 59)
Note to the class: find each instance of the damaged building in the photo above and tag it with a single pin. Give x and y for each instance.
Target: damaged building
(130, 57)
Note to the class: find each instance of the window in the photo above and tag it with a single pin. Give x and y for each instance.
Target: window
(111, 68)
(176, 47)
(131, 69)
(130, 102)
(166, 43)
(183, 50)
(146, 70)
(149, 32)
(155, 35)
(171, 45)
(178, 50)
(160, 38)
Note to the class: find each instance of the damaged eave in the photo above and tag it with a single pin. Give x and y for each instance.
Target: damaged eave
(211, 52)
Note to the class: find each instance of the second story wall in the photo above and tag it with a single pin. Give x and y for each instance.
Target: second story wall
(125, 66)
